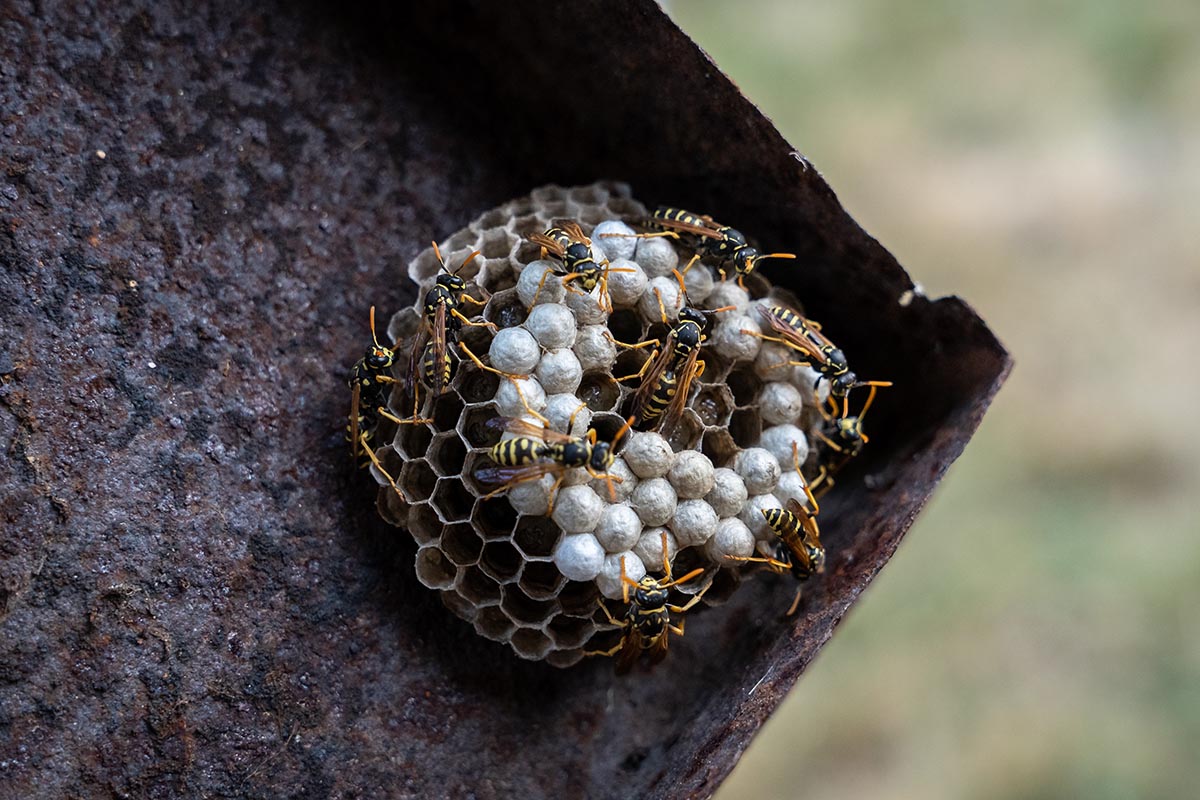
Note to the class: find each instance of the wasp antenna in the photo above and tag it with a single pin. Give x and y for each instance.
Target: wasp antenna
(374, 338)
(620, 434)
(438, 255)
(682, 288)
(624, 583)
(867, 405)
(873, 384)
(666, 559)
(796, 456)
(816, 509)
(684, 578)
(776, 255)
(468, 260)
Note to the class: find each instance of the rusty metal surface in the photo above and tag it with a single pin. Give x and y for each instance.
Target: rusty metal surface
(196, 596)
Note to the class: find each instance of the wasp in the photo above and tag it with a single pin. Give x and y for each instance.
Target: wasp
(566, 241)
(724, 244)
(369, 383)
(430, 359)
(843, 436)
(667, 376)
(812, 348)
(536, 451)
(647, 622)
(799, 549)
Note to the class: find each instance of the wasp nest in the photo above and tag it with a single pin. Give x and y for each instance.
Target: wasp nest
(535, 581)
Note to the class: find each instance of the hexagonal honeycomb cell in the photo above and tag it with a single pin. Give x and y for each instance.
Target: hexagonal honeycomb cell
(507, 573)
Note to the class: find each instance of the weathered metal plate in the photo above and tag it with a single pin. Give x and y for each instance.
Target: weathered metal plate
(198, 598)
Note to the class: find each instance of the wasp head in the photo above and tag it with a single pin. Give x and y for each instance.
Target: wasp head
(842, 384)
(453, 283)
(744, 260)
(601, 457)
(848, 429)
(379, 358)
(816, 557)
(649, 594)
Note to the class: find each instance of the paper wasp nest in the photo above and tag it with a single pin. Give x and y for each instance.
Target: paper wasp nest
(501, 563)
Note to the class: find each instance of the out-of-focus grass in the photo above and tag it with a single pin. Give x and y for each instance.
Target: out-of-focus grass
(1038, 633)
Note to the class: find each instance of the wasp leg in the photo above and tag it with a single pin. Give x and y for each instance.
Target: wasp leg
(766, 338)
(549, 271)
(645, 366)
(514, 378)
(671, 234)
(465, 321)
(690, 264)
(775, 565)
(662, 309)
(375, 460)
(612, 651)
(482, 302)
(618, 343)
(383, 412)
(609, 479)
(554, 492)
(611, 618)
(686, 606)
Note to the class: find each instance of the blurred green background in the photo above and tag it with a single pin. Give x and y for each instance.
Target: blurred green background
(1038, 633)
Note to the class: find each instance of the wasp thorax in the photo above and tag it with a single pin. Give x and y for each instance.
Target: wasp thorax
(576, 454)
(578, 252)
(379, 358)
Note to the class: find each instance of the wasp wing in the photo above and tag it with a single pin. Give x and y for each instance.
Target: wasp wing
(631, 647)
(708, 230)
(354, 433)
(650, 380)
(525, 428)
(685, 375)
(412, 378)
(439, 349)
(571, 228)
(795, 338)
(658, 648)
(550, 245)
(501, 475)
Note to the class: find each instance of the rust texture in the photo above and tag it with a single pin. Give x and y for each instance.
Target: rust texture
(197, 596)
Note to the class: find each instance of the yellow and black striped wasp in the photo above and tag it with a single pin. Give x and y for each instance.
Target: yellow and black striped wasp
(431, 360)
(667, 376)
(566, 241)
(724, 244)
(799, 549)
(539, 450)
(369, 384)
(647, 623)
(812, 348)
(843, 437)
